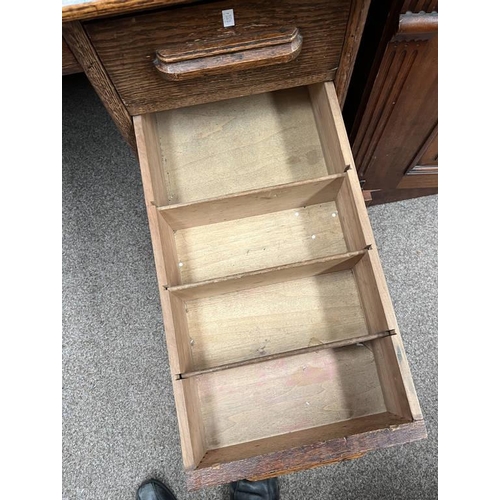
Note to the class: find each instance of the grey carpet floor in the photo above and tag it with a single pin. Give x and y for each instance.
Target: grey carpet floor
(119, 422)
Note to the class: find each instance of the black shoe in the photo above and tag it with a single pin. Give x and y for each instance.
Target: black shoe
(154, 490)
(268, 489)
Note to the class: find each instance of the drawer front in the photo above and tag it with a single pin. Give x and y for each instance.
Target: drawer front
(283, 345)
(127, 48)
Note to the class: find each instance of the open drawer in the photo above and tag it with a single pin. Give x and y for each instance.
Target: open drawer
(283, 345)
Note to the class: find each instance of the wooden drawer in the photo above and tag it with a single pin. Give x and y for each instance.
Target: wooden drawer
(283, 345)
(127, 47)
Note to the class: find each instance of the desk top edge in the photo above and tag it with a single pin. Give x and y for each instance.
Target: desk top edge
(80, 10)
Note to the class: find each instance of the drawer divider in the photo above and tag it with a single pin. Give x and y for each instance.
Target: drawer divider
(335, 344)
(269, 276)
(253, 202)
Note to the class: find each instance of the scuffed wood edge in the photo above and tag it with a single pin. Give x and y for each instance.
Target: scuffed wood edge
(104, 8)
(352, 39)
(300, 468)
(304, 457)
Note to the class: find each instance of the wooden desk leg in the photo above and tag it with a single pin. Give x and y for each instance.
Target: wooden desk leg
(85, 54)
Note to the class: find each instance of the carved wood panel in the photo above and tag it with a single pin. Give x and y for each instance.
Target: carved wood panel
(419, 6)
(399, 123)
(430, 155)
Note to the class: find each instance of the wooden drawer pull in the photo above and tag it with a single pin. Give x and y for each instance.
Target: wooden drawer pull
(228, 53)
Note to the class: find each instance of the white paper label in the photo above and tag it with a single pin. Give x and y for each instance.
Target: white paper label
(228, 18)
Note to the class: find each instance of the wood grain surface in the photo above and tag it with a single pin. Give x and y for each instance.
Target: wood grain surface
(240, 144)
(253, 202)
(333, 344)
(406, 86)
(254, 49)
(150, 160)
(355, 27)
(397, 382)
(399, 100)
(189, 418)
(390, 195)
(274, 318)
(269, 276)
(78, 10)
(259, 242)
(429, 180)
(301, 438)
(422, 172)
(127, 47)
(85, 54)
(350, 438)
(429, 154)
(419, 6)
(296, 411)
(179, 353)
(268, 475)
(69, 64)
(287, 395)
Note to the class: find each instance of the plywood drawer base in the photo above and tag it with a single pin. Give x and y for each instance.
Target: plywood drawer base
(283, 345)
